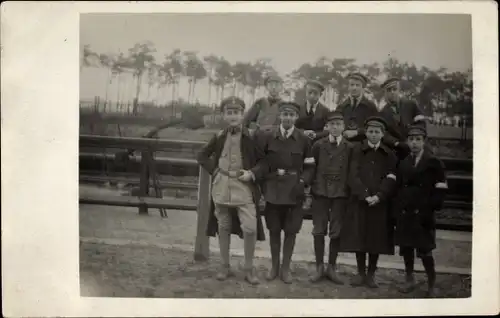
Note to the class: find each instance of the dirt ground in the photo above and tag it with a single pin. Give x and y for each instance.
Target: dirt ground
(138, 271)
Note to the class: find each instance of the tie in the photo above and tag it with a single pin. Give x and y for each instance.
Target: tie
(234, 130)
(285, 134)
(335, 142)
(414, 157)
(354, 101)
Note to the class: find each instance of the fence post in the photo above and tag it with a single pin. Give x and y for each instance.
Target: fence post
(202, 247)
(144, 179)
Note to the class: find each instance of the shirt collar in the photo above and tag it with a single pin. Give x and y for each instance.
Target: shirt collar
(332, 139)
(289, 132)
(419, 156)
(375, 147)
(313, 106)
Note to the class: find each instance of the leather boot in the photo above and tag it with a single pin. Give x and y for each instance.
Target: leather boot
(288, 246)
(319, 251)
(360, 278)
(275, 246)
(251, 277)
(224, 272)
(331, 273)
(409, 285)
(372, 267)
(319, 273)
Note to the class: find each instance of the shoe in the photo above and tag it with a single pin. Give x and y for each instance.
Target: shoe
(331, 273)
(408, 286)
(358, 280)
(370, 281)
(318, 274)
(286, 277)
(273, 273)
(224, 273)
(431, 292)
(251, 277)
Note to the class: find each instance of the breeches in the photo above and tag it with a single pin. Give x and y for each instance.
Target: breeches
(287, 218)
(247, 215)
(327, 215)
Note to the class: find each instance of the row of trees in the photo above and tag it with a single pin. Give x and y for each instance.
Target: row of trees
(432, 88)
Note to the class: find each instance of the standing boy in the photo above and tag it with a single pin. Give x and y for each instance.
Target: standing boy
(264, 113)
(232, 157)
(356, 108)
(290, 167)
(312, 116)
(329, 188)
(367, 226)
(421, 189)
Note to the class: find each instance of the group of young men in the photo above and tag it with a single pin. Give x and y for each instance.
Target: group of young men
(373, 181)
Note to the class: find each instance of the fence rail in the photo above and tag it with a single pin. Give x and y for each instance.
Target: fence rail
(137, 169)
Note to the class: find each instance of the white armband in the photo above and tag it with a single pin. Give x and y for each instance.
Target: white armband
(391, 176)
(309, 161)
(441, 185)
(419, 118)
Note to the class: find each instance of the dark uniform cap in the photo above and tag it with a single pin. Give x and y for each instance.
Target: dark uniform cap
(232, 102)
(289, 105)
(391, 82)
(316, 84)
(358, 76)
(334, 115)
(417, 130)
(272, 78)
(376, 121)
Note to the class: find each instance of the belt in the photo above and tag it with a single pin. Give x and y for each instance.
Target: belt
(230, 174)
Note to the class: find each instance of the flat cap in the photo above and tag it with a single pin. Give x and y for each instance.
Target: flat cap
(316, 84)
(334, 115)
(289, 105)
(417, 130)
(232, 102)
(376, 121)
(358, 76)
(272, 78)
(390, 82)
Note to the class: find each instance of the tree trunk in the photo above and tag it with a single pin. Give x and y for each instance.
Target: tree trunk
(108, 81)
(194, 90)
(135, 109)
(118, 82)
(209, 92)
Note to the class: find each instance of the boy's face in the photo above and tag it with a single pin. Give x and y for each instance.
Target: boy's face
(416, 143)
(355, 87)
(233, 116)
(374, 134)
(312, 94)
(392, 93)
(335, 127)
(288, 118)
(274, 88)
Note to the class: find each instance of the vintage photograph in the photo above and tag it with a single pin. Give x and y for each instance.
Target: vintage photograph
(266, 155)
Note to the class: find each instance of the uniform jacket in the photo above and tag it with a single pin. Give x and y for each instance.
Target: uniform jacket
(332, 168)
(263, 113)
(292, 155)
(251, 154)
(421, 190)
(315, 122)
(399, 117)
(368, 228)
(355, 116)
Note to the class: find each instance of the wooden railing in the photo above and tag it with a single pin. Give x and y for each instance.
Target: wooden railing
(103, 165)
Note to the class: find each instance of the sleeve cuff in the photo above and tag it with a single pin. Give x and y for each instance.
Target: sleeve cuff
(309, 161)
(391, 176)
(419, 118)
(441, 185)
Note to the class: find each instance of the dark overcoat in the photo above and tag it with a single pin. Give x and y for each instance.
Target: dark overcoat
(420, 193)
(332, 168)
(251, 154)
(369, 229)
(315, 121)
(264, 109)
(356, 115)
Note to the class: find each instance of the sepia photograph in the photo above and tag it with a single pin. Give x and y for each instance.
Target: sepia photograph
(266, 155)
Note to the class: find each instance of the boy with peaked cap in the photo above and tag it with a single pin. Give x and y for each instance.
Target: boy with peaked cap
(264, 113)
(367, 227)
(329, 188)
(399, 113)
(421, 189)
(312, 116)
(232, 158)
(290, 166)
(356, 108)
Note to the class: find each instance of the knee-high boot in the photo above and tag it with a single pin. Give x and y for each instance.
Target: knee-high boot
(428, 262)
(224, 244)
(319, 251)
(288, 246)
(275, 246)
(360, 278)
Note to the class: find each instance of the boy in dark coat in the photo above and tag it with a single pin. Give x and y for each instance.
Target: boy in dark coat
(312, 116)
(399, 113)
(330, 192)
(367, 225)
(356, 108)
(421, 189)
(232, 157)
(290, 166)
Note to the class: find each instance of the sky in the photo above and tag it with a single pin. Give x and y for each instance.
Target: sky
(433, 40)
